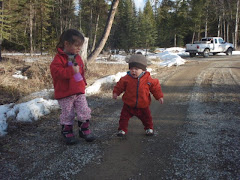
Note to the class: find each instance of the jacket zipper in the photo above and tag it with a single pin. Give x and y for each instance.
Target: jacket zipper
(137, 92)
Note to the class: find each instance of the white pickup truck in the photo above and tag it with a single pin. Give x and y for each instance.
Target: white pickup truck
(208, 45)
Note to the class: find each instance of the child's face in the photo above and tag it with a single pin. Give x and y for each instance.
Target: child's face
(135, 72)
(72, 48)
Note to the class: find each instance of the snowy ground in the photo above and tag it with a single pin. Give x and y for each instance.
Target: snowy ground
(36, 108)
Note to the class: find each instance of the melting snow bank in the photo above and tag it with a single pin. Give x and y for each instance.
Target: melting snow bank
(95, 87)
(25, 112)
(38, 107)
(170, 59)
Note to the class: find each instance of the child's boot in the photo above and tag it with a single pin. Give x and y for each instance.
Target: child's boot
(67, 132)
(85, 132)
(149, 132)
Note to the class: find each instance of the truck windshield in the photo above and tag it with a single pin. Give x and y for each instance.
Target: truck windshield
(221, 41)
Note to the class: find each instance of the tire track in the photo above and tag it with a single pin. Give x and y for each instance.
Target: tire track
(210, 145)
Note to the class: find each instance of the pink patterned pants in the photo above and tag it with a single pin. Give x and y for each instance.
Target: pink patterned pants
(71, 105)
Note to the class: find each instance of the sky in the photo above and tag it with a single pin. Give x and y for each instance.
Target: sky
(33, 110)
(140, 3)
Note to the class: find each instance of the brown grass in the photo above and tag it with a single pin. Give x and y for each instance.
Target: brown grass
(39, 76)
(98, 70)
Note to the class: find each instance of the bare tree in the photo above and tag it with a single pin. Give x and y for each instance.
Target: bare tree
(106, 32)
(1, 35)
(31, 27)
(236, 26)
(95, 35)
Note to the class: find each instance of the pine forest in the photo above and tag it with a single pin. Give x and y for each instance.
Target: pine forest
(35, 25)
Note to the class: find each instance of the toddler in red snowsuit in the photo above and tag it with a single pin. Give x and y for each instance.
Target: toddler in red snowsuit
(137, 85)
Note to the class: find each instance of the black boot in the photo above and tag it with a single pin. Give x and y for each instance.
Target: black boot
(84, 131)
(67, 132)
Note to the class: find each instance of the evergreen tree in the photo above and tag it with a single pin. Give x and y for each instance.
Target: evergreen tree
(93, 15)
(197, 17)
(4, 21)
(42, 39)
(147, 27)
(164, 26)
(4, 25)
(35, 25)
(124, 35)
(179, 22)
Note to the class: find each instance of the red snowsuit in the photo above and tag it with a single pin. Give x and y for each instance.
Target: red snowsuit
(137, 98)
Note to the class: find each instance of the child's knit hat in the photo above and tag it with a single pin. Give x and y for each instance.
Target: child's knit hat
(139, 61)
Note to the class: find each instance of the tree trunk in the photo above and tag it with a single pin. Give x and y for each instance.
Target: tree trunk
(1, 36)
(198, 36)
(193, 37)
(175, 40)
(31, 28)
(80, 17)
(236, 26)
(227, 32)
(91, 27)
(219, 25)
(224, 26)
(41, 28)
(206, 26)
(83, 52)
(106, 33)
(95, 35)
(61, 16)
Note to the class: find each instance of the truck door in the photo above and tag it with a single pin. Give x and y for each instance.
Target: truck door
(221, 45)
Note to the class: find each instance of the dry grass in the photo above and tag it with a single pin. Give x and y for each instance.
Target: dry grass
(12, 89)
(98, 70)
(39, 77)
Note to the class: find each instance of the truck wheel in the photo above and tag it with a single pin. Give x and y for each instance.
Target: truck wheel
(229, 52)
(192, 54)
(206, 53)
(214, 54)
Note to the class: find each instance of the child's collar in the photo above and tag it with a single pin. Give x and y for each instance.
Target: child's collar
(138, 76)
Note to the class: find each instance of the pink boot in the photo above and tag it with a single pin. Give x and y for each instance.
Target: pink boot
(67, 132)
(85, 132)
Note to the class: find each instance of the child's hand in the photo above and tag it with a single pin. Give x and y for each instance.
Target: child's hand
(161, 100)
(76, 69)
(114, 96)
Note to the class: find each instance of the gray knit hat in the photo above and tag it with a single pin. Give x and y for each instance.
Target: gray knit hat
(139, 61)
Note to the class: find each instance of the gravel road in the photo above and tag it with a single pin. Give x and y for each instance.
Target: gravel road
(197, 133)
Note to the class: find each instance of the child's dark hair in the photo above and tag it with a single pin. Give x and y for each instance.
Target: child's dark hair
(71, 36)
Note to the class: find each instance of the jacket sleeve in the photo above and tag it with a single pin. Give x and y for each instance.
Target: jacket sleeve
(120, 86)
(155, 89)
(82, 68)
(59, 70)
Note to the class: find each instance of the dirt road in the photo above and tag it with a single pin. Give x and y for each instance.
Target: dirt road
(197, 133)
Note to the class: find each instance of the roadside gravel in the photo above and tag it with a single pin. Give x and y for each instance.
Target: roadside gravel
(197, 133)
(210, 145)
